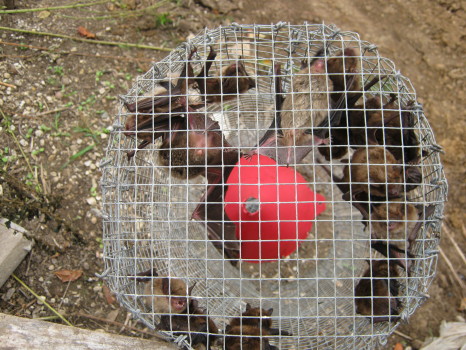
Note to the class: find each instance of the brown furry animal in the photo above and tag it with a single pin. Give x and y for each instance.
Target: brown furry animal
(377, 291)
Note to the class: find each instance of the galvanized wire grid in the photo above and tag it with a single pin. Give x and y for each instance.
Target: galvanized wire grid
(147, 211)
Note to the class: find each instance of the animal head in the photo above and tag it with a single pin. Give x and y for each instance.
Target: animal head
(385, 174)
(388, 217)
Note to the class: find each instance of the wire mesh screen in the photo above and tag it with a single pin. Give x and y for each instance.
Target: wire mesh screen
(272, 186)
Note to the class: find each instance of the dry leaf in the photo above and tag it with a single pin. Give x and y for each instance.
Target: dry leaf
(109, 297)
(68, 275)
(398, 346)
(85, 33)
(43, 14)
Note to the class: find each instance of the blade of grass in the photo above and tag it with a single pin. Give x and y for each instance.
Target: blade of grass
(41, 300)
(91, 41)
(54, 7)
(78, 154)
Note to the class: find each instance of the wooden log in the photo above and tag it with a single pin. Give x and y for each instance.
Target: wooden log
(24, 333)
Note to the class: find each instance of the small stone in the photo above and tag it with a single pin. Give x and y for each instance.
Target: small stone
(66, 81)
(7, 75)
(74, 49)
(51, 268)
(41, 299)
(95, 212)
(79, 141)
(41, 279)
(102, 91)
(86, 265)
(53, 300)
(59, 95)
(38, 133)
(93, 220)
(9, 294)
(23, 142)
(97, 289)
(91, 201)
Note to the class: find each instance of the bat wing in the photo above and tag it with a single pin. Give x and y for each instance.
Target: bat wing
(424, 213)
(210, 211)
(156, 101)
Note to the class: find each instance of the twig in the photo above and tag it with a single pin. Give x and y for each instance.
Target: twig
(54, 8)
(72, 53)
(22, 151)
(52, 111)
(8, 85)
(403, 335)
(455, 274)
(64, 294)
(43, 301)
(29, 261)
(450, 237)
(117, 14)
(119, 324)
(87, 40)
(17, 56)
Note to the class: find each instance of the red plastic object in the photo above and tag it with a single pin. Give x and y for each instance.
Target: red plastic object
(271, 206)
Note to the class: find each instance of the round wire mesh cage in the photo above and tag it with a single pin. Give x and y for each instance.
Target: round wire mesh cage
(272, 186)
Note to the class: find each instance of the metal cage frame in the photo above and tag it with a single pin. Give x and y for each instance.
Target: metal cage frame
(146, 210)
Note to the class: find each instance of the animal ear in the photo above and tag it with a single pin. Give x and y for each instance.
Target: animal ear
(248, 307)
(190, 289)
(371, 138)
(269, 312)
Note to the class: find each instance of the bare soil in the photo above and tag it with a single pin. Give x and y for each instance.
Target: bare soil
(58, 98)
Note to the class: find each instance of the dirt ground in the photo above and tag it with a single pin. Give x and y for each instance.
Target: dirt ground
(58, 98)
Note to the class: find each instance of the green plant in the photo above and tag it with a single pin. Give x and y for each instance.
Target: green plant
(98, 75)
(29, 133)
(88, 102)
(56, 126)
(93, 191)
(109, 84)
(44, 128)
(38, 151)
(57, 70)
(162, 19)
